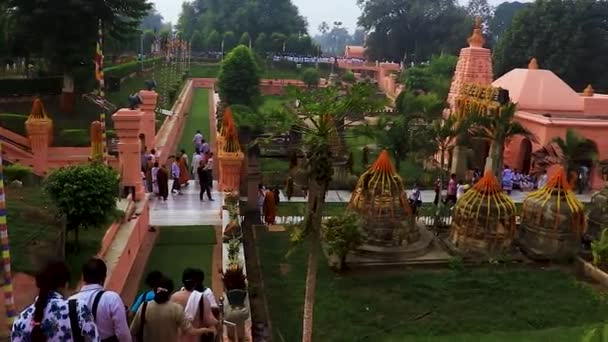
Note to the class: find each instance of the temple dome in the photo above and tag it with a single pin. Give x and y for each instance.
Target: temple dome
(538, 89)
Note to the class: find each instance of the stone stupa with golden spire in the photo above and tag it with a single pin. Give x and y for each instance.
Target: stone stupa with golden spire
(381, 202)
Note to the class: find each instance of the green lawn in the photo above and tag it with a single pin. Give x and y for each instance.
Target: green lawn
(480, 304)
(273, 103)
(35, 235)
(178, 248)
(204, 70)
(198, 119)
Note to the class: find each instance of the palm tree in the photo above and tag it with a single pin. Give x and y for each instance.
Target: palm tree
(576, 150)
(322, 112)
(498, 130)
(445, 133)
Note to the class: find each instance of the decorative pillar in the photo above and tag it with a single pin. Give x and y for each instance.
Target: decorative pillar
(230, 157)
(147, 106)
(39, 129)
(96, 141)
(127, 124)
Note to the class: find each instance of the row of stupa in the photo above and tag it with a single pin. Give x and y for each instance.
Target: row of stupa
(484, 219)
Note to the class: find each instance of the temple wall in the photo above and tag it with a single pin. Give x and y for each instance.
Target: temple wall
(169, 133)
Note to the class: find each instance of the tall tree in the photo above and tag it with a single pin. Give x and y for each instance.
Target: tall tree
(481, 9)
(279, 42)
(229, 41)
(415, 29)
(239, 78)
(187, 22)
(567, 37)
(503, 17)
(65, 35)
(245, 39)
(323, 27)
(262, 43)
(323, 111)
(197, 41)
(214, 41)
(153, 21)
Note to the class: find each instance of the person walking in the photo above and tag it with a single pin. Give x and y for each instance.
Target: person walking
(161, 320)
(155, 169)
(162, 180)
(196, 160)
(209, 167)
(197, 307)
(415, 199)
(109, 312)
(152, 280)
(269, 207)
(452, 188)
(52, 318)
(437, 188)
(204, 181)
(198, 139)
(175, 173)
(184, 175)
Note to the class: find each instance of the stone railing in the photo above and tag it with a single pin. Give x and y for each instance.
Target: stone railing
(171, 130)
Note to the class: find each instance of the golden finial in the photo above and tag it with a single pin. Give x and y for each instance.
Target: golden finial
(476, 40)
(589, 91)
(533, 64)
(38, 111)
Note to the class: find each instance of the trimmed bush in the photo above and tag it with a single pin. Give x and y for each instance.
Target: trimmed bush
(126, 69)
(13, 122)
(17, 172)
(32, 86)
(76, 137)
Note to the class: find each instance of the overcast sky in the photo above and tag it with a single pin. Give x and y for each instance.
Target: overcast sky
(316, 11)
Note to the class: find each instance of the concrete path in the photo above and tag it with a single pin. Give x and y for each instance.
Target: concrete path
(187, 209)
(337, 196)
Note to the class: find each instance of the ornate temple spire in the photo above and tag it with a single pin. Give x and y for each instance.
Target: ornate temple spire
(231, 144)
(38, 111)
(477, 40)
(533, 65)
(589, 91)
(225, 119)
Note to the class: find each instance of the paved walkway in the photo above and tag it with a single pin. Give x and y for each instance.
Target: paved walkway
(337, 196)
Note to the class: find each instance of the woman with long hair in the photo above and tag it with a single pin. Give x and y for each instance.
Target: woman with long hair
(161, 320)
(197, 306)
(52, 318)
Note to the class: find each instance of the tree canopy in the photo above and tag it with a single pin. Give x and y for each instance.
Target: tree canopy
(66, 34)
(413, 30)
(567, 37)
(239, 78)
(503, 17)
(254, 17)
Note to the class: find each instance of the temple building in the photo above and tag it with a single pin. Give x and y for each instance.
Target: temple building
(546, 106)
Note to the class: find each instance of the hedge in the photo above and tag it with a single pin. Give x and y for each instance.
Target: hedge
(125, 69)
(31, 86)
(13, 122)
(74, 138)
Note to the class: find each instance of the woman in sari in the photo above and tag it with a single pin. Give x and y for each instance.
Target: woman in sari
(154, 179)
(270, 207)
(162, 182)
(184, 175)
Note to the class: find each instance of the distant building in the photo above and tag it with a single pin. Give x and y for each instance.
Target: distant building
(353, 51)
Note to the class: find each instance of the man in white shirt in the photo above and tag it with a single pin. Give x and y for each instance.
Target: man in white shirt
(107, 307)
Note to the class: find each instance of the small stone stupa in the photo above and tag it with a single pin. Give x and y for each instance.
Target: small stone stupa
(552, 220)
(381, 201)
(484, 219)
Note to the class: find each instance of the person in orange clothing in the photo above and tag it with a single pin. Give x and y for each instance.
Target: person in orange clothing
(270, 207)
(184, 175)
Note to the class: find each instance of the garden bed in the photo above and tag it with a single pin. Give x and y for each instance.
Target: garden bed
(493, 303)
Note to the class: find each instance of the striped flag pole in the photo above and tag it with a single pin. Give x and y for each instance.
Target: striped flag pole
(7, 286)
(100, 78)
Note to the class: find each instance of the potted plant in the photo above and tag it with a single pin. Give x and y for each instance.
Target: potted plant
(235, 284)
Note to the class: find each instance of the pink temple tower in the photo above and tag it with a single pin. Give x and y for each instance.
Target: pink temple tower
(474, 67)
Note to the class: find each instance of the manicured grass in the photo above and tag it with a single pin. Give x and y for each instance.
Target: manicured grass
(178, 248)
(496, 303)
(204, 70)
(198, 119)
(35, 235)
(273, 103)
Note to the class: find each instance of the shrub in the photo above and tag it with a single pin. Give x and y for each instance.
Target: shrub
(342, 234)
(349, 77)
(310, 76)
(31, 86)
(239, 78)
(74, 137)
(599, 248)
(84, 194)
(17, 172)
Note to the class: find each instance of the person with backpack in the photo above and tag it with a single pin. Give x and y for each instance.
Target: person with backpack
(108, 309)
(52, 318)
(161, 320)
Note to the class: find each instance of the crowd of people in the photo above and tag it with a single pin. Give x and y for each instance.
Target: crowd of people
(93, 314)
(314, 60)
(156, 177)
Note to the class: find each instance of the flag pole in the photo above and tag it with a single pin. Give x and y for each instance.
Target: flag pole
(100, 78)
(7, 286)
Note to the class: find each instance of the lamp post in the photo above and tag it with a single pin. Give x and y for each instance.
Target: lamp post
(7, 288)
